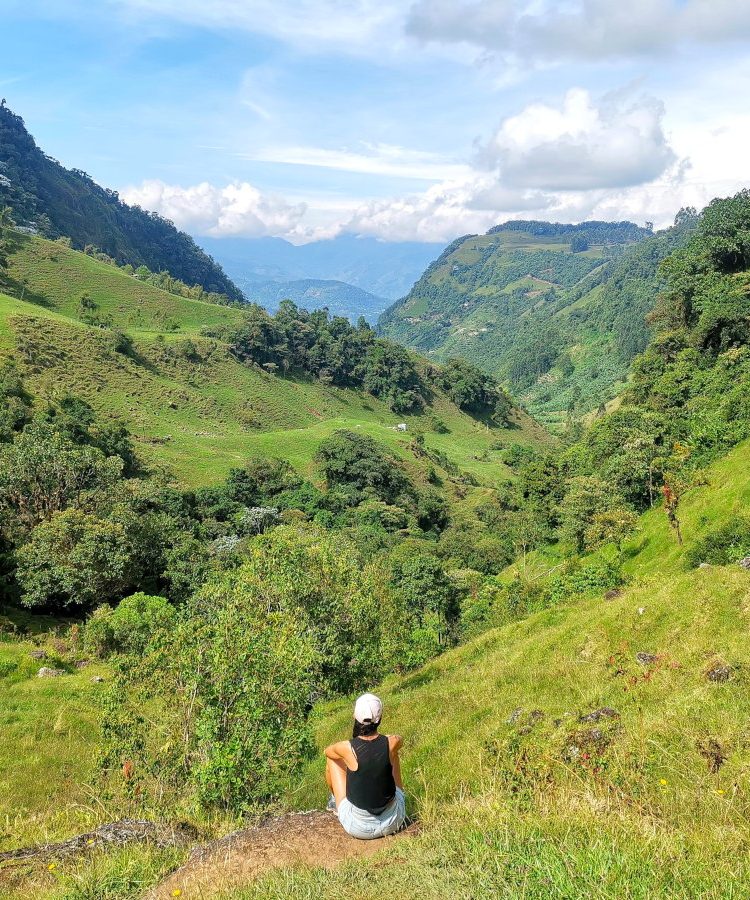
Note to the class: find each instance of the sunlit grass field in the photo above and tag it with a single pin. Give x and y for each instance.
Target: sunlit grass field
(200, 414)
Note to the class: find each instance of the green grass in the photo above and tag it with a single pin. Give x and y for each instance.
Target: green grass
(200, 417)
(49, 732)
(57, 277)
(507, 811)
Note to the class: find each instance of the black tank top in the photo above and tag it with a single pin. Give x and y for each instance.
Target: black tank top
(372, 786)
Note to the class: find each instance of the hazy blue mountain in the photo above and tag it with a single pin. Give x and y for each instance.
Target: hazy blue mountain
(383, 268)
(339, 298)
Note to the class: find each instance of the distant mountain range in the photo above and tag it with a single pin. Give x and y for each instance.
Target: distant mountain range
(383, 269)
(339, 298)
(54, 201)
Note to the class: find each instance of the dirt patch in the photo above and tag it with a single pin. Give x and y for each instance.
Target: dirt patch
(307, 838)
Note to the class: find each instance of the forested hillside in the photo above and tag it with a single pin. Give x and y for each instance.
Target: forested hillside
(55, 201)
(557, 312)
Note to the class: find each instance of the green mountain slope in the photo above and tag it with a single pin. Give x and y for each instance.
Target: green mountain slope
(58, 201)
(523, 796)
(556, 312)
(189, 402)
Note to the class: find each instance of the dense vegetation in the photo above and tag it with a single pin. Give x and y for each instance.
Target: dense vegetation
(56, 201)
(556, 312)
(338, 353)
(226, 613)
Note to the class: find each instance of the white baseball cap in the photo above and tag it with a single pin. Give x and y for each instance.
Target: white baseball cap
(368, 708)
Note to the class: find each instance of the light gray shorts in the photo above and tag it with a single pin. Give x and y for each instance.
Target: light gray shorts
(364, 825)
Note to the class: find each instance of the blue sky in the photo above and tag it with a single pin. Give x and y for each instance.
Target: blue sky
(405, 120)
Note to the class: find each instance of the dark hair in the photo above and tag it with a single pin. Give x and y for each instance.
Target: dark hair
(364, 729)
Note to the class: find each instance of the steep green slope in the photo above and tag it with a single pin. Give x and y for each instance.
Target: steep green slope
(523, 796)
(189, 402)
(559, 327)
(58, 201)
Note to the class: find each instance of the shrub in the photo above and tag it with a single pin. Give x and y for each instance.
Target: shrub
(74, 559)
(722, 545)
(128, 627)
(357, 462)
(253, 520)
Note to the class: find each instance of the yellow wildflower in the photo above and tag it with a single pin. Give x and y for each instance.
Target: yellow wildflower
(662, 781)
(52, 866)
(176, 892)
(720, 791)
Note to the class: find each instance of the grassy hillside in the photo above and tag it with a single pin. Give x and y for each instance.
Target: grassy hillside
(193, 406)
(558, 324)
(521, 796)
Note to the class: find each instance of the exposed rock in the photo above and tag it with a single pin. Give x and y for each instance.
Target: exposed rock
(536, 715)
(97, 679)
(38, 654)
(719, 672)
(114, 834)
(46, 672)
(587, 742)
(704, 565)
(596, 715)
(515, 715)
(745, 562)
(613, 594)
(645, 659)
(82, 663)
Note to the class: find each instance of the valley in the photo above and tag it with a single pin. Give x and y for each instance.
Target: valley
(517, 511)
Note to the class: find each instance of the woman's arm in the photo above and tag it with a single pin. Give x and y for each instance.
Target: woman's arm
(342, 752)
(337, 750)
(395, 742)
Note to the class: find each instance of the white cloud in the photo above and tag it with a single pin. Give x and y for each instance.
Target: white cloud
(238, 208)
(439, 214)
(584, 157)
(583, 144)
(377, 159)
(553, 31)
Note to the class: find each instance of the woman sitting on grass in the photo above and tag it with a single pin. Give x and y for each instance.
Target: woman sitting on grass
(364, 776)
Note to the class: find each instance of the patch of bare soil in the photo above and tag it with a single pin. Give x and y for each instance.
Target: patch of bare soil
(307, 838)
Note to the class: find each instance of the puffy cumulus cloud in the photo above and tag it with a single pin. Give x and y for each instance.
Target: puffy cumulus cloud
(551, 31)
(448, 210)
(564, 162)
(439, 214)
(238, 208)
(582, 144)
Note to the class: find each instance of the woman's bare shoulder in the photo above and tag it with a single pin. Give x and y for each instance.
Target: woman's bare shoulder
(395, 741)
